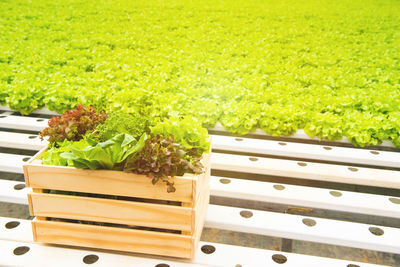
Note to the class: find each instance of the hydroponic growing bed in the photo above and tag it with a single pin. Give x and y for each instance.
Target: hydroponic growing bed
(328, 67)
(278, 75)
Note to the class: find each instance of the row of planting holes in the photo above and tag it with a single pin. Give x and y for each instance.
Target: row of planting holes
(279, 187)
(303, 164)
(90, 259)
(325, 147)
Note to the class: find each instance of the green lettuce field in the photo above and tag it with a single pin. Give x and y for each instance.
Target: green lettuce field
(331, 68)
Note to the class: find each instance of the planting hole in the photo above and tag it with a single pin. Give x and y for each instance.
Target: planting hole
(224, 181)
(26, 159)
(309, 222)
(19, 186)
(353, 169)
(282, 143)
(40, 120)
(246, 214)
(90, 259)
(374, 152)
(376, 231)
(21, 250)
(279, 258)
(32, 136)
(394, 200)
(302, 164)
(238, 139)
(353, 265)
(279, 187)
(335, 193)
(2, 116)
(253, 159)
(12, 224)
(162, 265)
(208, 249)
(327, 148)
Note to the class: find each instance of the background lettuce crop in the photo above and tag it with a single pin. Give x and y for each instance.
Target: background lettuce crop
(330, 67)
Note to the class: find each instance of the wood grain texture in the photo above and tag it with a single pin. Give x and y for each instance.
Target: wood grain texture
(112, 211)
(191, 190)
(129, 240)
(106, 182)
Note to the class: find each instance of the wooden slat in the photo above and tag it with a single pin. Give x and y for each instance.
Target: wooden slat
(325, 231)
(106, 182)
(307, 151)
(112, 211)
(129, 240)
(306, 170)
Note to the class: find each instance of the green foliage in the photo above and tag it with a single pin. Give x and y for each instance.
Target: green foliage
(118, 122)
(187, 132)
(73, 125)
(52, 155)
(277, 65)
(325, 126)
(106, 155)
(162, 158)
(279, 120)
(241, 117)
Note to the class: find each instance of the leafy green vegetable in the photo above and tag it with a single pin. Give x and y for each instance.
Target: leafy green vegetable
(106, 155)
(118, 122)
(52, 155)
(73, 125)
(162, 158)
(187, 132)
(241, 117)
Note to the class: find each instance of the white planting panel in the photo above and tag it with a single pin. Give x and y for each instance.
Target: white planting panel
(12, 163)
(303, 196)
(306, 170)
(22, 123)
(13, 192)
(224, 255)
(326, 231)
(306, 151)
(21, 141)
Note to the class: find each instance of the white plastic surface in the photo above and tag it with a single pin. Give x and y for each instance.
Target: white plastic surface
(306, 151)
(21, 141)
(22, 123)
(306, 170)
(303, 196)
(224, 255)
(289, 226)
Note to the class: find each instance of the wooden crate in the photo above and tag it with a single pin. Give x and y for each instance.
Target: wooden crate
(137, 216)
